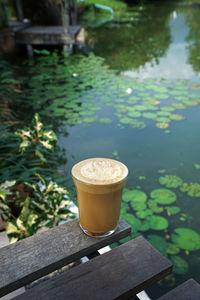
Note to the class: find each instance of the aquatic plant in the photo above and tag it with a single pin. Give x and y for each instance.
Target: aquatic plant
(170, 181)
(172, 210)
(153, 205)
(186, 238)
(172, 249)
(134, 196)
(180, 266)
(157, 222)
(163, 196)
(133, 221)
(158, 242)
(192, 189)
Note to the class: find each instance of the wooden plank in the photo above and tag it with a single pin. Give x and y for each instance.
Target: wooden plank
(44, 252)
(50, 30)
(117, 274)
(18, 26)
(47, 35)
(189, 290)
(46, 41)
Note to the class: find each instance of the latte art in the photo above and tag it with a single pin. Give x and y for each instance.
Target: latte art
(100, 171)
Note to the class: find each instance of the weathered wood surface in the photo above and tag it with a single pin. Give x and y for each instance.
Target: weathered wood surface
(189, 290)
(117, 274)
(17, 25)
(44, 252)
(47, 35)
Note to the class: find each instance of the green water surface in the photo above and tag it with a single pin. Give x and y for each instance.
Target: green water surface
(148, 117)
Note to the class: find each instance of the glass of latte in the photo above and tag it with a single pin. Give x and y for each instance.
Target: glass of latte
(99, 184)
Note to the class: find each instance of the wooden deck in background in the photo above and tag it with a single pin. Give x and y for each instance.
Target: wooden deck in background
(43, 35)
(47, 35)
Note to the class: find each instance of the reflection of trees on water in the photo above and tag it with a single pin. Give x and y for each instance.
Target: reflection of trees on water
(192, 19)
(131, 44)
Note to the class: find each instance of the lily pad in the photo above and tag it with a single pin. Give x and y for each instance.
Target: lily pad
(143, 214)
(157, 222)
(177, 117)
(89, 119)
(162, 125)
(162, 96)
(137, 124)
(125, 120)
(149, 115)
(163, 196)
(153, 206)
(172, 210)
(193, 189)
(186, 239)
(105, 120)
(163, 120)
(172, 249)
(138, 206)
(170, 181)
(140, 107)
(133, 222)
(134, 195)
(145, 226)
(163, 113)
(180, 266)
(158, 242)
(134, 114)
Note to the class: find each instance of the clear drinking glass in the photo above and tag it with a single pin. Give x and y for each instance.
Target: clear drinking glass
(99, 199)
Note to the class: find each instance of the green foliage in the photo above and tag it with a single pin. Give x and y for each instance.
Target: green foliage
(134, 195)
(157, 222)
(180, 266)
(192, 189)
(172, 249)
(46, 206)
(36, 136)
(158, 242)
(47, 203)
(163, 196)
(186, 238)
(170, 181)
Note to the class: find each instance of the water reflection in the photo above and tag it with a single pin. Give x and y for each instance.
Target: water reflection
(170, 65)
(131, 41)
(158, 41)
(193, 38)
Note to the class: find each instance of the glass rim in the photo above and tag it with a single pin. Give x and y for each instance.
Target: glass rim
(101, 184)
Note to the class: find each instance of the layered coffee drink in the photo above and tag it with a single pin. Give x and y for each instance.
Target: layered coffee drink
(99, 184)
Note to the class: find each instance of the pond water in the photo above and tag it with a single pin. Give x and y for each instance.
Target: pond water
(134, 97)
(147, 116)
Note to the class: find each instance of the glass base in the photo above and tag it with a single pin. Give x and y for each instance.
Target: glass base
(98, 235)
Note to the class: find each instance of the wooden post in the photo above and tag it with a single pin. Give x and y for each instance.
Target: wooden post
(20, 10)
(3, 15)
(30, 52)
(65, 16)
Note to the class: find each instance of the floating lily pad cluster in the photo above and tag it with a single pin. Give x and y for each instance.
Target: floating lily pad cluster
(146, 210)
(79, 89)
(143, 211)
(172, 181)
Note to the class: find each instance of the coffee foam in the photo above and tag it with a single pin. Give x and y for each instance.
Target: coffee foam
(99, 171)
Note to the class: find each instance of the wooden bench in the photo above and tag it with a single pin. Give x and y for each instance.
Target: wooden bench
(118, 274)
(189, 290)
